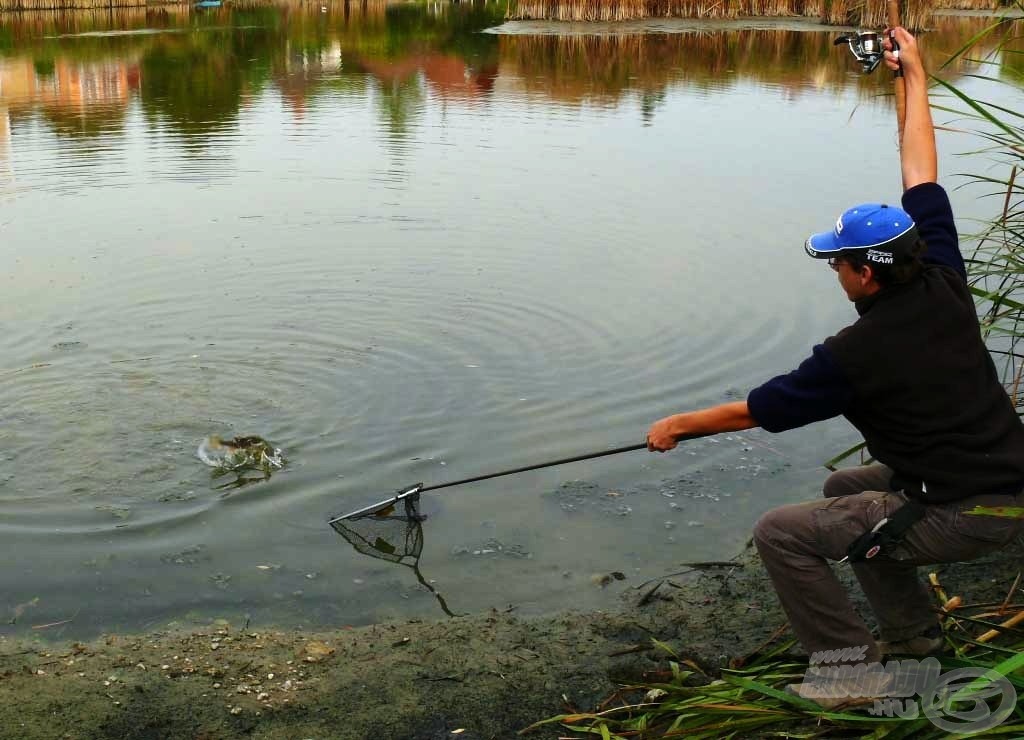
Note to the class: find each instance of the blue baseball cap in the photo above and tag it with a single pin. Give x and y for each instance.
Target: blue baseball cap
(886, 234)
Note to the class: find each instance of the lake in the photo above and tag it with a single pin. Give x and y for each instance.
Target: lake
(410, 243)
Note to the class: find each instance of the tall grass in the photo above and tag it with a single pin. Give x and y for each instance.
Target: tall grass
(996, 264)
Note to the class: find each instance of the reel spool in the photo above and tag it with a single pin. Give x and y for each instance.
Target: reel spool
(866, 47)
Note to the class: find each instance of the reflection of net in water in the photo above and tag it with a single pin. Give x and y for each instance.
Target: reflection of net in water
(394, 534)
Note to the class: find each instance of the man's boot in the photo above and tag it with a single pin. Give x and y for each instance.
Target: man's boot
(929, 642)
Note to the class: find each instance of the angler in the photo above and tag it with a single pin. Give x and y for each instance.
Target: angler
(913, 375)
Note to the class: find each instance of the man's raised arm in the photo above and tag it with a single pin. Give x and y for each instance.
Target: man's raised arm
(917, 156)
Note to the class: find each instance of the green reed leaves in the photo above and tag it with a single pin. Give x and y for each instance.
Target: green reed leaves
(996, 263)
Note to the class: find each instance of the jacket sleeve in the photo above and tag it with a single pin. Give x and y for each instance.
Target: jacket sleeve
(929, 206)
(816, 390)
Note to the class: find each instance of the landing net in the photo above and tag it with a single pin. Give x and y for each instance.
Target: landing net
(394, 534)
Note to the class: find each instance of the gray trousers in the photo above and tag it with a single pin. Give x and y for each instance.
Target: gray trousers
(795, 542)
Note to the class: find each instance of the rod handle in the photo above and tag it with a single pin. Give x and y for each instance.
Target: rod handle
(899, 87)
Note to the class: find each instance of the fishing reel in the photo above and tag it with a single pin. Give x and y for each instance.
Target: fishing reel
(866, 47)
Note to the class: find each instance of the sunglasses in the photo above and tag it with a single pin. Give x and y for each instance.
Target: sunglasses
(834, 263)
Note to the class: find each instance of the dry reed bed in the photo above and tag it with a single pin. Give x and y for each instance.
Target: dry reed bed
(355, 8)
(33, 24)
(870, 14)
(38, 5)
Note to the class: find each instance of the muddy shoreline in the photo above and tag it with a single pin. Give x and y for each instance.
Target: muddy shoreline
(488, 675)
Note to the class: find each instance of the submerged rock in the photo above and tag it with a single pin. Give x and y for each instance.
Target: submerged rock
(577, 495)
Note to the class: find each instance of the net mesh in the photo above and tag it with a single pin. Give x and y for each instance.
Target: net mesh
(394, 534)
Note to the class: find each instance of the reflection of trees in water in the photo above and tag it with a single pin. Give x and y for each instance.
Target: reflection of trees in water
(67, 122)
(84, 99)
(401, 101)
(5, 148)
(577, 68)
(195, 80)
(194, 83)
(649, 102)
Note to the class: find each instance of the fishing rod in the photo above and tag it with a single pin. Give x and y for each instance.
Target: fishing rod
(899, 85)
(382, 508)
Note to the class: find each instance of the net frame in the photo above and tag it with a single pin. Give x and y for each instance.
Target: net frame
(391, 534)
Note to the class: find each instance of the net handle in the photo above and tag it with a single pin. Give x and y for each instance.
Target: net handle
(561, 461)
(538, 466)
(420, 488)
